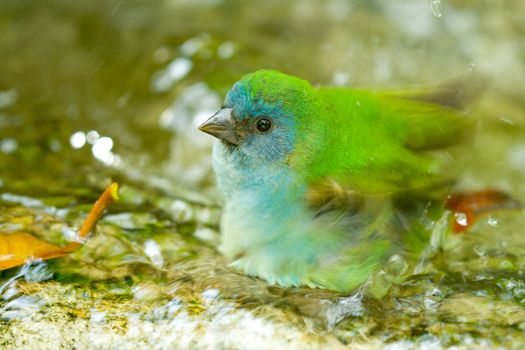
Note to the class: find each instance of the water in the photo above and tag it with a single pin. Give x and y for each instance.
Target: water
(92, 92)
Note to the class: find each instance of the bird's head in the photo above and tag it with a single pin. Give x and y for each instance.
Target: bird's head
(261, 116)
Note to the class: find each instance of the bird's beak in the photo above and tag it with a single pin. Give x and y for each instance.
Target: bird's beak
(222, 126)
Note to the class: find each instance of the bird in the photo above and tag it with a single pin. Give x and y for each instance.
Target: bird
(308, 175)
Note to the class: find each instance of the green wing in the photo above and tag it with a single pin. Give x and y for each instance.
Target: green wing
(377, 142)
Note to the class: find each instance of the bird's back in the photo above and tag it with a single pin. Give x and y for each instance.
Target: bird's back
(377, 143)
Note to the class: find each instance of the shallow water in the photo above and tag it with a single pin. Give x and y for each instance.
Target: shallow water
(92, 92)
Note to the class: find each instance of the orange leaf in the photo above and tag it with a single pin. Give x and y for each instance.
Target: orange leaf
(469, 206)
(17, 247)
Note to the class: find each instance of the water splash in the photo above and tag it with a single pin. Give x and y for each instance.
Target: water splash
(436, 7)
(344, 307)
(35, 271)
(210, 295)
(178, 68)
(97, 316)
(153, 251)
(20, 308)
(32, 271)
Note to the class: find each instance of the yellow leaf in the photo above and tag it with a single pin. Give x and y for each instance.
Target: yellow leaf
(17, 247)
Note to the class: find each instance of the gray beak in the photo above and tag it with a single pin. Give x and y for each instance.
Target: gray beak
(222, 126)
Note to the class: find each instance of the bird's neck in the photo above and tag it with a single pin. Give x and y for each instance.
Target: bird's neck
(259, 201)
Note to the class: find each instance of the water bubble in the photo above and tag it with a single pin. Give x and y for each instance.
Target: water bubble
(92, 137)
(492, 221)
(102, 147)
(226, 50)
(102, 151)
(175, 71)
(396, 265)
(436, 7)
(77, 140)
(461, 219)
(8, 146)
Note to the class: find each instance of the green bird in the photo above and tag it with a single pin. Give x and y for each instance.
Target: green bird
(308, 175)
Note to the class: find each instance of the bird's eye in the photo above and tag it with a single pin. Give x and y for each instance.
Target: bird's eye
(263, 124)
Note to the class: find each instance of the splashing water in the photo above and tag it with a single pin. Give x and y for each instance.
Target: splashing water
(436, 7)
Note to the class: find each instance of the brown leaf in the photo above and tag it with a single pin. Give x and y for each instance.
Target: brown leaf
(469, 206)
(17, 247)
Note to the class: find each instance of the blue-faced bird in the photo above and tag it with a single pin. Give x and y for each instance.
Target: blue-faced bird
(307, 175)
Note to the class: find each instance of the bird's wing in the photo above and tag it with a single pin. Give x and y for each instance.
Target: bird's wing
(426, 126)
(378, 143)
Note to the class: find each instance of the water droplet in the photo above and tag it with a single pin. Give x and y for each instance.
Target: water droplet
(226, 50)
(396, 265)
(181, 211)
(102, 151)
(175, 71)
(77, 140)
(492, 221)
(8, 146)
(480, 251)
(436, 7)
(461, 219)
(92, 137)
(152, 250)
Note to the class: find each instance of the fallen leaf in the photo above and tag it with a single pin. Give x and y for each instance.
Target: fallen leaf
(17, 247)
(469, 206)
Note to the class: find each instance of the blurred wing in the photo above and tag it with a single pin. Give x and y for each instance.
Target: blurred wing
(380, 143)
(427, 126)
